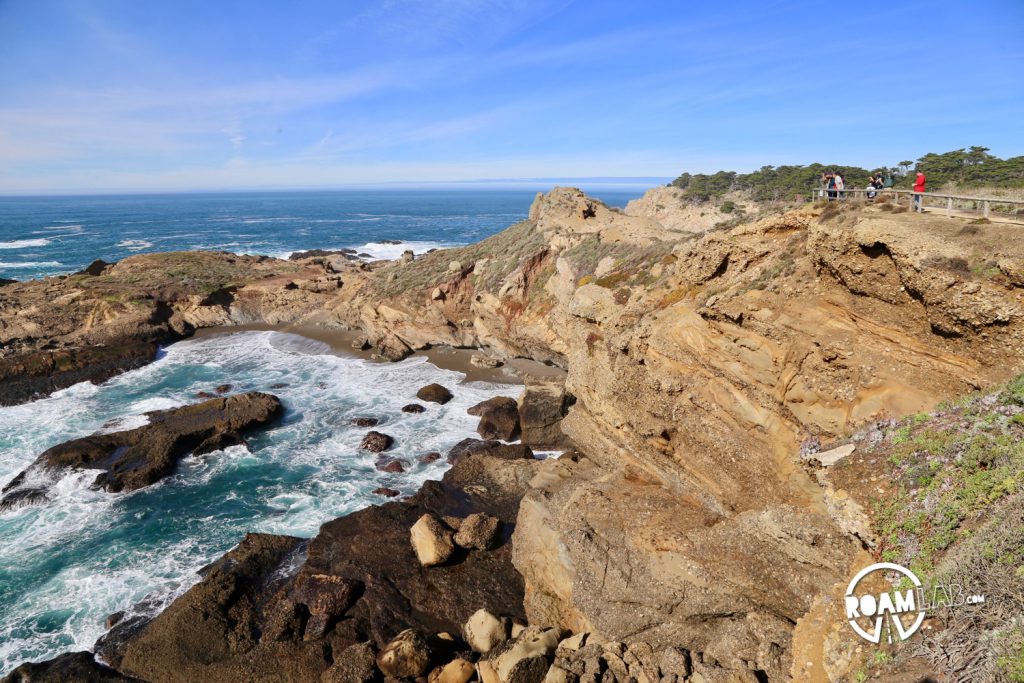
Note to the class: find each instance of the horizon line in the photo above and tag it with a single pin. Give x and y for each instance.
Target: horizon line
(609, 181)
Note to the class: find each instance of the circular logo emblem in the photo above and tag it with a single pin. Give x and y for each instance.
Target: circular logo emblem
(892, 606)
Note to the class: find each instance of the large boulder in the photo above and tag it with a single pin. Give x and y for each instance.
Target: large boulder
(528, 658)
(499, 418)
(406, 656)
(484, 631)
(493, 449)
(478, 531)
(67, 668)
(139, 457)
(542, 407)
(434, 393)
(432, 541)
(356, 664)
(456, 671)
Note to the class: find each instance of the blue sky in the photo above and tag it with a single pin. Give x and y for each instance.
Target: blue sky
(126, 95)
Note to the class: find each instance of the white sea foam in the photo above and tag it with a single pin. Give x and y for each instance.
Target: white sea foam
(134, 245)
(379, 250)
(14, 265)
(24, 244)
(88, 553)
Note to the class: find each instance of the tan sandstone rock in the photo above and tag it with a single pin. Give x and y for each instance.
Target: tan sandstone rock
(432, 541)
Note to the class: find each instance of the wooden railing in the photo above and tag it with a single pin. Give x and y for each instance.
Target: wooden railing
(986, 202)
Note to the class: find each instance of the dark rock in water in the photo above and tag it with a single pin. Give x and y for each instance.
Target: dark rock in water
(113, 619)
(236, 599)
(95, 268)
(365, 421)
(139, 457)
(5, 281)
(313, 253)
(499, 418)
(392, 466)
(435, 393)
(414, 408)
(254, 624)
(223, 389)
(376, 442)
(279, 385)
(390, 242)
(205, 394)
(433, 456)
(31, 375)
(386, 492)
(494, 449)
(20, 498)
(73, 667)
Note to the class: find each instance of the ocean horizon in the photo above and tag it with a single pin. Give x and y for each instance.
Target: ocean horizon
(42, 236)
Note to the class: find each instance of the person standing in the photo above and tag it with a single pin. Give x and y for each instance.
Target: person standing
(840, 184)
(919, 185)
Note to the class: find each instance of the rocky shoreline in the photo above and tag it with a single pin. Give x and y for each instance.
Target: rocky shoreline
(680, 538)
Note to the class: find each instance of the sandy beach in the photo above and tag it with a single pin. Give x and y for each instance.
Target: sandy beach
(515, 371)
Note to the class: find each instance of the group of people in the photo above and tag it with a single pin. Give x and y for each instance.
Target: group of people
(834, 183)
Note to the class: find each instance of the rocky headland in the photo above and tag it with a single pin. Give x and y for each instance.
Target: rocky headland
(701, 523)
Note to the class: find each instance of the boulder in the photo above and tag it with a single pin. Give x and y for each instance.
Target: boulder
(391, 348)
(479, 360)
(406, 656)
(528, 658)
(386, 492)
(136, 458)
(408, 256)
(326, 597)
(414, 408)
(355, 664)
(376, 442)
(499, 418)
(95, 268)
(434, 393)
(456, 671)
(393, 466)
(364, 421)
(66, 668)
(484, 631)
(542, 407)
(494, 449)
(478, 531)
(431, 541)
(427, 458)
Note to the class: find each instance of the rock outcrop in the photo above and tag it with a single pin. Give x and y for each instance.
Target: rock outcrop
(139, 457)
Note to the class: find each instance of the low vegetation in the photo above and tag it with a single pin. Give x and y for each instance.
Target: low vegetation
(955, 516)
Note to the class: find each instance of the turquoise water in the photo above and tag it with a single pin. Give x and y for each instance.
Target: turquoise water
(42, 236)
(66, 565)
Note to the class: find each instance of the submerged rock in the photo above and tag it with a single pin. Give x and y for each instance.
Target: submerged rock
(365, 421)
(139, 457)
(414, 408)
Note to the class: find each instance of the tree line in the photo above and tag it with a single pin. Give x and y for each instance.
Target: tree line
(964, 168)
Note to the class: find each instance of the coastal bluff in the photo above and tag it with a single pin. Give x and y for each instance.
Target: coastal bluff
(684, 530)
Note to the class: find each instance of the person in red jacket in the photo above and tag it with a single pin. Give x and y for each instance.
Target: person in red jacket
(919, 182)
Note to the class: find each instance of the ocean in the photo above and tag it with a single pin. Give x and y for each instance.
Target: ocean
(41, 236)
(69, 563)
